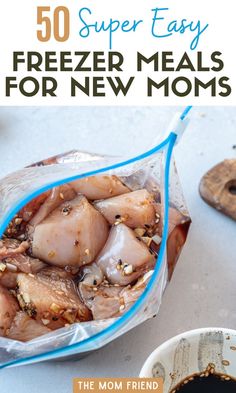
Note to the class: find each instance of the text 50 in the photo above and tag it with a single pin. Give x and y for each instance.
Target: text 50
(53, 23)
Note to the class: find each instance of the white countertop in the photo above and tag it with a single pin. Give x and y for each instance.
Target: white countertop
(202, 291)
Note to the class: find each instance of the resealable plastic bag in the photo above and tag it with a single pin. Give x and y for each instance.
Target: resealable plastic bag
(153, 170)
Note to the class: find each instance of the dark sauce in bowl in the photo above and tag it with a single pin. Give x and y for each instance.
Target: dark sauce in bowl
(213, 383)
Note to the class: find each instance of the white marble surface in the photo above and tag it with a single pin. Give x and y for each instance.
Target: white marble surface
(203, 289)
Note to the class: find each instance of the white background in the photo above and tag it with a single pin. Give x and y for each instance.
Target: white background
(202, 291)
(18, 33)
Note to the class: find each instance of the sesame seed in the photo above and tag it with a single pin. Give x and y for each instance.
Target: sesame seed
(117, 223)
(18, 221)
(51, 254)
(211, 365)
(128, 269)
(225, 362)
(119, 265)
(45, 321)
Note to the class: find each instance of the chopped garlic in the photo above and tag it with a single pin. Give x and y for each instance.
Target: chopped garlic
(128, 269)
(18, 221)
(26, 298)
(2, 267)
(147, 240)
(45, 321)
(11, 267)
(51, 254)
(55, 308)
(157, 239)
(140, 231)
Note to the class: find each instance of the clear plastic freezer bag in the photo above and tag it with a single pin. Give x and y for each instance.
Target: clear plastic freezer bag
(153, 172)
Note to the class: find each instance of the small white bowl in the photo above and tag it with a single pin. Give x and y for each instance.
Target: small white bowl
(190, 353)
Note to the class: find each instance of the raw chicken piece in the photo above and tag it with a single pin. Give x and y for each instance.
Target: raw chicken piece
(8, 279)
(24, 264)
(15, 260)
(55, 302)
(178, 230)
(99, 187)
(124, 258)
(103, 303)
(131, 294)
(72, 235)
(111, 301)
(24, 328)
(57, 196)
(33, 206)
(12, 247)
(98, 296)
(135, 209)
(37, 209)
(175, 243)
(175, 218)
(8, 309)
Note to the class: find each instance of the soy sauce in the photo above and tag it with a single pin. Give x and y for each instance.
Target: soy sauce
(214, 383)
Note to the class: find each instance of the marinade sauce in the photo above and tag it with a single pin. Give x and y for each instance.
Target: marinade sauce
(213, 383)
